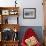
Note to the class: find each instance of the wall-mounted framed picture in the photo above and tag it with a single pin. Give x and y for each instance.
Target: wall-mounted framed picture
(29, 13)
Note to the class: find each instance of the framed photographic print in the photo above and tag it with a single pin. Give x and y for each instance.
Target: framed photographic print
(29, 13)
(5, 12)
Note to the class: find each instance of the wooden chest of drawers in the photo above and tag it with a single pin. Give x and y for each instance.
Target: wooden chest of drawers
(9, 43)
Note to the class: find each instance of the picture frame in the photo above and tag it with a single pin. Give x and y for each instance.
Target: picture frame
(29, 13)
(5, 12)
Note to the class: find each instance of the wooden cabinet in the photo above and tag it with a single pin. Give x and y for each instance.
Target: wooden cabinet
(10, 43)
(9, 25)
(7, 12)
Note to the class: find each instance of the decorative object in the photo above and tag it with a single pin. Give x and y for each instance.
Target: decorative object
(31, 41)
(13, 12)
(29, 13)
(15, 30)
(5, 12)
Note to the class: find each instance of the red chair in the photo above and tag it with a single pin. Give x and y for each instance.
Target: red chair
(29, 33)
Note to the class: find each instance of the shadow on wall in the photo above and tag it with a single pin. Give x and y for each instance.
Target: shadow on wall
(37, 29)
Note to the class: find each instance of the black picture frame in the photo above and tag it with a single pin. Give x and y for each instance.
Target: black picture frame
(29, 13)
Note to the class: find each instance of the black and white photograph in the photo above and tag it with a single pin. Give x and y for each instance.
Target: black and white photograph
(29, 13)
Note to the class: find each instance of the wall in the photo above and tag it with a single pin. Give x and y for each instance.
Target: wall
(27, 4)
(39, 13)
